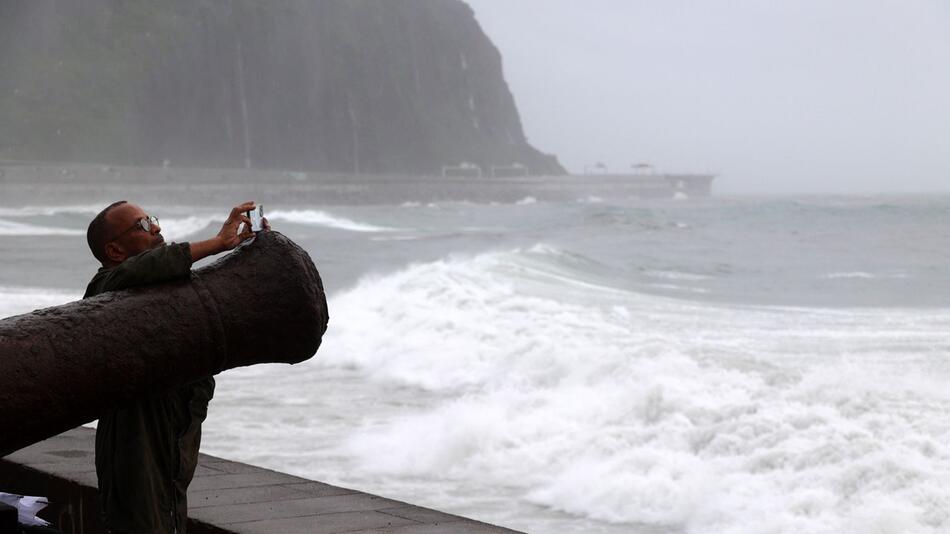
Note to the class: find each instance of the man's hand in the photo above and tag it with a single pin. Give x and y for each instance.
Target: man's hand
(228, 237)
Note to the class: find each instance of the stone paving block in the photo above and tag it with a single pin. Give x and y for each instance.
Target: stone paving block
(85, 478)
(256, 494)
(30, 456)
(311, 506)
(55, 449)
(459, 527)
(65, 468)
(80, 438)
(324, 524)
(319, 489)
(227, 466)
(266, 478)
(204, 470)
(422, 515)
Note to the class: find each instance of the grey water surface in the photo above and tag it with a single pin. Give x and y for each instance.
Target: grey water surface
(591, 364)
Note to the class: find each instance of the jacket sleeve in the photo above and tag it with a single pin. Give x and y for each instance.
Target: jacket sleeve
(154, 266)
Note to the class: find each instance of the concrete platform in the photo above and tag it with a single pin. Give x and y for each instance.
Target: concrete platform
(225, 497)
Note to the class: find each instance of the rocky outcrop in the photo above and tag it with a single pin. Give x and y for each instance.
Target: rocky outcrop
(363, 86)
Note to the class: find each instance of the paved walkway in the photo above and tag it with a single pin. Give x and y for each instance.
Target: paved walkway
(228, 496)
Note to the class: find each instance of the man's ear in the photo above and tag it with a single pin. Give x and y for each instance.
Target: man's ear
(115, 252)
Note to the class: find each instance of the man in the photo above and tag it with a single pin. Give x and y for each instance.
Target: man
(147, 452)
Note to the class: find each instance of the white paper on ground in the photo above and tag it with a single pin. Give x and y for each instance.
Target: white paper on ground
(27, 508)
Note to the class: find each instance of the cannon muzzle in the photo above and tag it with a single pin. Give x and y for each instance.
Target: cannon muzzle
(64, 366)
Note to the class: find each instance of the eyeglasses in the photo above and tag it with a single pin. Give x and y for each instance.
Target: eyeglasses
(145, 223)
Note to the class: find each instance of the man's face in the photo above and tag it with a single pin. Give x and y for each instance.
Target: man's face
(132, 239)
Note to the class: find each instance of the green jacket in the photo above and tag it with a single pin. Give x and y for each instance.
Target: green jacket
(147, 451)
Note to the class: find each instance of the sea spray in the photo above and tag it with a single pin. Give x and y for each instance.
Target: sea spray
(11, 228)
(690, 416)
(323, 218)
(19, 300)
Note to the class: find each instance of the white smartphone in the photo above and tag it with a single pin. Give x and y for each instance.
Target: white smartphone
(257, 218)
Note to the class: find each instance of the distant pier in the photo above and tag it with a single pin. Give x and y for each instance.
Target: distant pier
(665, 185)
(22, 182)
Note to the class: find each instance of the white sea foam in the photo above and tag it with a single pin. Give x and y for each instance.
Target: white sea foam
(677, 275)
(179, 228)
(592, 199)
(861, 275)
(674, 287)
(544, 248)
(855, 274)
(19, 300)
(514, 373)
(384, 238)
(640, 410)
(11, 228)
(526, 201)
(322, 218)
(28, 211)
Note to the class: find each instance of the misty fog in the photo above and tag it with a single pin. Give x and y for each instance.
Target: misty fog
(778, 97)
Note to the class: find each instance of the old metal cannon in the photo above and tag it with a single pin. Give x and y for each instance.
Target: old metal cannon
(64, 366)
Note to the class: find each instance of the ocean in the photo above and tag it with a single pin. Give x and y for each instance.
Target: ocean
(596, 364)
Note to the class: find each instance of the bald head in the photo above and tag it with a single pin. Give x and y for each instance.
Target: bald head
(100, 231)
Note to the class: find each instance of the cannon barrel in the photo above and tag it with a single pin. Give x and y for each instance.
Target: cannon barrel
(64, 366)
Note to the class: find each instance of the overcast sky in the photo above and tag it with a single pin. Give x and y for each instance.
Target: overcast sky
(776, 96)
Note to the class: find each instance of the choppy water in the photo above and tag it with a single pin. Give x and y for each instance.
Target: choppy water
(600, 365)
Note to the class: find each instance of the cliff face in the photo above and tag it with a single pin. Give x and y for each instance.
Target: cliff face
(369, 86)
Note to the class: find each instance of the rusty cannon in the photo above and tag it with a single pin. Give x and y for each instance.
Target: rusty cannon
(64, 366)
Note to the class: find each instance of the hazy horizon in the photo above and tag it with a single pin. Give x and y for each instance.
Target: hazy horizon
(808, 97)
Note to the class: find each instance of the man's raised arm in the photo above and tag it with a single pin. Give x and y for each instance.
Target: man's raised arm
(228, 237)
(173, 261)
